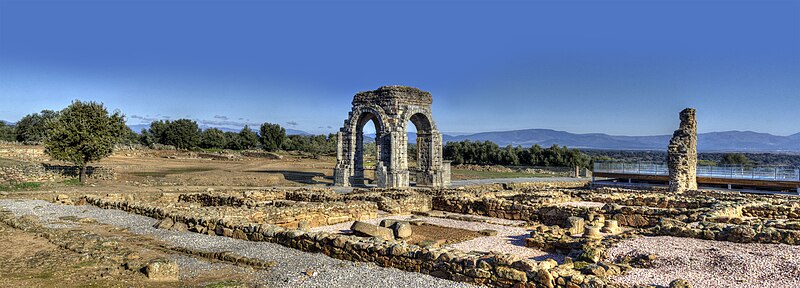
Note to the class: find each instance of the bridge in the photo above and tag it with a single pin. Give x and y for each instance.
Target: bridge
(758, 177)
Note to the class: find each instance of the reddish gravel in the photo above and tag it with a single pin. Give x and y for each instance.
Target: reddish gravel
(706, 263)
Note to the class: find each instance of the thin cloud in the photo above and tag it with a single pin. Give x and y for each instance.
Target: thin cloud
(291, 123)
(221, 117)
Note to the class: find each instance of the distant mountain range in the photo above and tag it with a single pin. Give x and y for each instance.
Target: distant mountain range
(729, 141)
(138, 128)
(741, 141)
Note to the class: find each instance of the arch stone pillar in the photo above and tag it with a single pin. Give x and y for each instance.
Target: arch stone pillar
(391, 108)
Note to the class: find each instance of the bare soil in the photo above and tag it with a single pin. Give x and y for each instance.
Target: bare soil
(93, 256)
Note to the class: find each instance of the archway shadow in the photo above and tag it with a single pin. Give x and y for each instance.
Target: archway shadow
(302, 177)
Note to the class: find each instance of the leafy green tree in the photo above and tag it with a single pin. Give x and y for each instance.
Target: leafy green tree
(248, 137)
(128, 136)
(33, 127)
(233, 141)
(6, 132)
(488, 153)
(213, 138)
(83, 133)
(272, 136)
(181, 133)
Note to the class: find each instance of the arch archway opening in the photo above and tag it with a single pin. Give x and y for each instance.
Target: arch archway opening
(368, 149)
(419, 146)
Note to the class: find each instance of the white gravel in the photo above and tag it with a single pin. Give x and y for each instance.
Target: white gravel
(291, 263)
(508, 239)
(706, 263)
(583, 204)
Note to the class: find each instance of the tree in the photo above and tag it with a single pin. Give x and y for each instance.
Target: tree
(83, 133)
(234, 141)
(181, 133)
(213, 138)
(33, 127)
(6, 132)
(735, 159)
(272, 136)
(248, 137)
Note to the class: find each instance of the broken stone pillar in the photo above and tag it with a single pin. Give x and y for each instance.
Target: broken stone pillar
(682, 154)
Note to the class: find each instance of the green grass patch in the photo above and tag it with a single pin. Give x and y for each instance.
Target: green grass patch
(164, 173)
(470, 174)
(72, 182)
(20, 186)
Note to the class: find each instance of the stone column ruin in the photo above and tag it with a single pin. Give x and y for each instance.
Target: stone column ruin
(682, 154)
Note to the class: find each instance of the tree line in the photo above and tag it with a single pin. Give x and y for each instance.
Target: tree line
(489, 153)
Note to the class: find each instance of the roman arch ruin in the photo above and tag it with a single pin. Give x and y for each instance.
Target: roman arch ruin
(390, 108)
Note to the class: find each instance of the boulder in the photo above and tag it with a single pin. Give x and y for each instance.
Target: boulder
(369, 230)
(402, 230)
(165, 223)
(388, 223)
(162, 270)
(680, 283)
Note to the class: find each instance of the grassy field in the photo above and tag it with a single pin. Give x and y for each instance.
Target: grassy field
(458, 174)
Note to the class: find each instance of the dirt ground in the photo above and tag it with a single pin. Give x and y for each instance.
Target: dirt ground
(440, 235)
(89, 255)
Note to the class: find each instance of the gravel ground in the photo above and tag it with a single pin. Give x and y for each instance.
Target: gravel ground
(707, 263)
(508, 239)
(583, 204)
(291, 264)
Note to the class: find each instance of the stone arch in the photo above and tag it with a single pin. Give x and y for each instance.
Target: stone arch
(391, 108)
(361, 117)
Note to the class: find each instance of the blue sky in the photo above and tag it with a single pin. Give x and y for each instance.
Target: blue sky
(617, 67)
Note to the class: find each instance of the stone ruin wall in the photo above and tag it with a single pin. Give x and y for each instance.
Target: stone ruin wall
(489, 269)
(682, 154)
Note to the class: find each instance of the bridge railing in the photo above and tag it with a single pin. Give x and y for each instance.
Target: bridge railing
(766, 173)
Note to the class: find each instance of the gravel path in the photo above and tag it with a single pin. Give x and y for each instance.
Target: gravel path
(508, 239)
(291, 263)
(707, 263)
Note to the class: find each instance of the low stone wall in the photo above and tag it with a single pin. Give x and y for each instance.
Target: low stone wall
(31, 172)
(251, 198)
(486, 206)
(772, 211)
(284, 213)
(313, 195)
(730, 232)
(493, 270)
(393, 201)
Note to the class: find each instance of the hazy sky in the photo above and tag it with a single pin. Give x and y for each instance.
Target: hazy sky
(620, 67)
